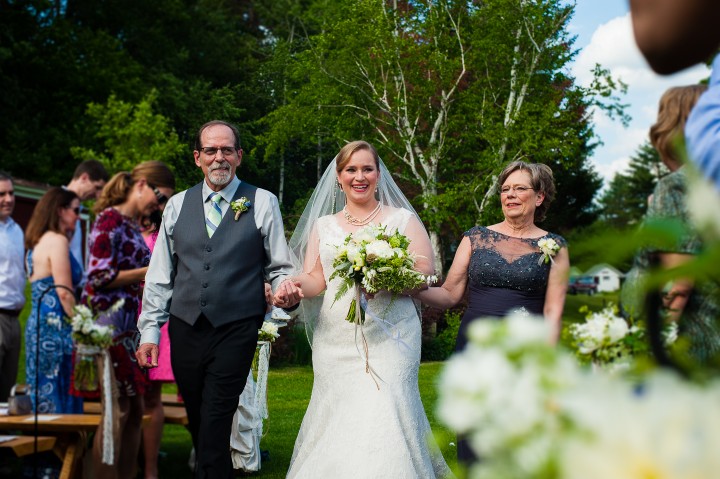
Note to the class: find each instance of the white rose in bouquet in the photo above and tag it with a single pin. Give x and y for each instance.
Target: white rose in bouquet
(378, 249)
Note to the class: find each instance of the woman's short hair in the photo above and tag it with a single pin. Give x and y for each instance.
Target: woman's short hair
(343, 156)
(45, 217)
(541, 180)
(116, 191)
(673, 111)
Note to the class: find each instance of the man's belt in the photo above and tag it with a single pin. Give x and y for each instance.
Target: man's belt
(10, 312)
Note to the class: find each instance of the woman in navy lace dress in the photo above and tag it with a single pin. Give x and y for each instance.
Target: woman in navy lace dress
(510, 266)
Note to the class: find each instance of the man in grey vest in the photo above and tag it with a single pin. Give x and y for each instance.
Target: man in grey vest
(219, 241)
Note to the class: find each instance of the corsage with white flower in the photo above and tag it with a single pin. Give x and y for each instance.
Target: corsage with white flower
(548, 248)
(240, 206)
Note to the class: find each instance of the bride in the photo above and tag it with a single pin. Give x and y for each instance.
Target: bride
(365, 418)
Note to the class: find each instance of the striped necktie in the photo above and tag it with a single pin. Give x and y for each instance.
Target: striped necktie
(212, 221)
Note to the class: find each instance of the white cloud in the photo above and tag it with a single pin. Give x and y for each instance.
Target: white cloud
(613, 46)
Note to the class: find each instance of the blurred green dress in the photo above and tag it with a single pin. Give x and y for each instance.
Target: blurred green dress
(700, 322)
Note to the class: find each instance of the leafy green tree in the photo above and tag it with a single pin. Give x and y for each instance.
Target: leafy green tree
(131, 134)
(450, 92)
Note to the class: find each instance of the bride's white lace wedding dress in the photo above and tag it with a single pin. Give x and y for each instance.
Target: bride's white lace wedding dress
(351, 429)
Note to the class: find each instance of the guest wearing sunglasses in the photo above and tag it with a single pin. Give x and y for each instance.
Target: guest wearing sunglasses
(53, 273)
(117, 265)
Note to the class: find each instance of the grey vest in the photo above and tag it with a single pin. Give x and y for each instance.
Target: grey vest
(220, 277)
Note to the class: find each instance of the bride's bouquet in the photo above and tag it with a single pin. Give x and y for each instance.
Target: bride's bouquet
(375, 260)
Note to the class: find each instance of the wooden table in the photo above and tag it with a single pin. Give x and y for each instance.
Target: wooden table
(24, 445)
(71, 431)
(173, 414)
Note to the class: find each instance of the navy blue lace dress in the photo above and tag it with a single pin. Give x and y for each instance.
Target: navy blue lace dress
(505, 274)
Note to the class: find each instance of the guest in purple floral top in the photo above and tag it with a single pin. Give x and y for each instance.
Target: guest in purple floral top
(117, 266)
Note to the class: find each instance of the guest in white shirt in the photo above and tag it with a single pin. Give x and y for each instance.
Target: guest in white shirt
(12, 286)
(87, 182)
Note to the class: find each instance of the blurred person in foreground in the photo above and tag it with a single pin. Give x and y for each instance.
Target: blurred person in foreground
(693, 305)
(510, 266)
(12, 286)
(54, 274)
(673, 35)
(117, 265)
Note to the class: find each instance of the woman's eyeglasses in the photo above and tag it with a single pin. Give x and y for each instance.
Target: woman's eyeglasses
(518, 189)
(161, 198)
(75, 210)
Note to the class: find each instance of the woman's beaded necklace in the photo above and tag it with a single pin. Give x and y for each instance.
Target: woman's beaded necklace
(361, 222)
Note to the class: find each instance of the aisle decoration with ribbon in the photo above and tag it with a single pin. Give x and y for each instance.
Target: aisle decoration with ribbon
(93, 368)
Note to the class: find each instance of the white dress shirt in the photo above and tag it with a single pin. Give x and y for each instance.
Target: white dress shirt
(161, 272)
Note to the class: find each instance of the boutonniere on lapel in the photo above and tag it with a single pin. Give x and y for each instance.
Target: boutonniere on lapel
(240, 206)
(548, 248)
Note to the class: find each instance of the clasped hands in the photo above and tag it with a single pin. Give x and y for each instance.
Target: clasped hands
(288, 294)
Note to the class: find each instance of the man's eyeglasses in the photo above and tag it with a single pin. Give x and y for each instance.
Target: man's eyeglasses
(518, 189)
(227, 151)
(161, 198)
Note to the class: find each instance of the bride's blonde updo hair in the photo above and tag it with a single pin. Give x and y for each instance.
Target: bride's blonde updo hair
(343, 156)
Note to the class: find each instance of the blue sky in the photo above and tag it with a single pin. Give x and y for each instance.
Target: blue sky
(604, 35)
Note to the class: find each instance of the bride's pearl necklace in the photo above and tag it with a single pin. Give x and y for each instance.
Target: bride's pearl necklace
(361, 222)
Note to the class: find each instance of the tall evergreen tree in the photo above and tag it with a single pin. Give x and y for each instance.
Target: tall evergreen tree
(625, 201)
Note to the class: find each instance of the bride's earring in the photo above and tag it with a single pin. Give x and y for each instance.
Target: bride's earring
(335, 191)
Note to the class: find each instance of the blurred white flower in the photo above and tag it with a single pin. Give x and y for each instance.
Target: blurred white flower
(530, 411)
(702, 204)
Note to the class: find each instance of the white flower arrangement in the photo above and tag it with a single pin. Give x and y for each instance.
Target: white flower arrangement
(606, 338)
(376, 260)
(91, 340)
(85, 329)
(548, 248)
(268, 332)
(529, 410)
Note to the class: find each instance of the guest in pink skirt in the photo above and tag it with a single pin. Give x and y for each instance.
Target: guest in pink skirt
(152, 433)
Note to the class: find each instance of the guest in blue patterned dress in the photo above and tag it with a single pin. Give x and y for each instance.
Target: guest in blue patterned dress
(53, 275)
(117, 265)
(509, 266)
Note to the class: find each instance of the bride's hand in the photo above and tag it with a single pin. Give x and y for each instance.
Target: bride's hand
(367, 295)
(288, 294)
